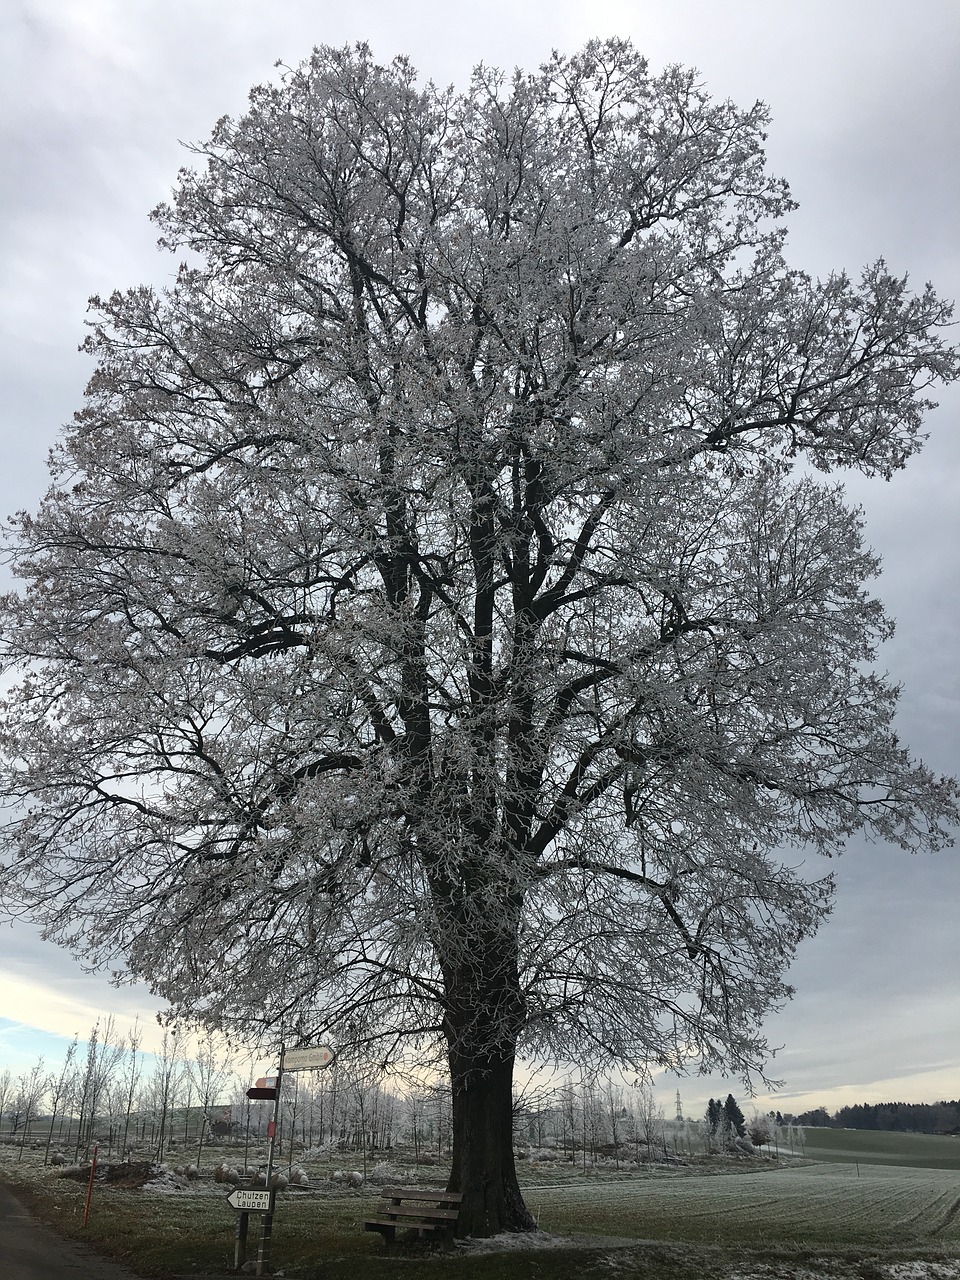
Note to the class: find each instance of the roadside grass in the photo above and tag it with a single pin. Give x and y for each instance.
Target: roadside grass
(870, 1146)
(174, 1236)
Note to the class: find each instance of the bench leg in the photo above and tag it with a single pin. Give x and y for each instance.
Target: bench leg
(389, 1233)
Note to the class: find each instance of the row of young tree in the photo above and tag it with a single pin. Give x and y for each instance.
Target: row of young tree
(189, 1091)
(102, 1092)
(589, 1121)
(188, 1094)
(903, 1117)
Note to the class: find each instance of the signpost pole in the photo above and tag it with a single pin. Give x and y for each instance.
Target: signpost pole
(240, 1243)
(93, 1169)
(266, 1226)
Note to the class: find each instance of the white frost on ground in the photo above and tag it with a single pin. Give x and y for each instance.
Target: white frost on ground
(781, 1273)
(918, 1270)
(512, 1241)
(922, 1270)
(167, 1183)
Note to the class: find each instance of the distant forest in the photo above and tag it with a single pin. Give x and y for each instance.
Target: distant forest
(906, 1117)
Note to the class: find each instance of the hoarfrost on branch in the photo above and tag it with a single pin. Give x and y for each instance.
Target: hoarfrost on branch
(428, 637)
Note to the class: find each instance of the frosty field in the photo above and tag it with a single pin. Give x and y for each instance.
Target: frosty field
(813, 1204)
(721, 1220)
(870, 1146)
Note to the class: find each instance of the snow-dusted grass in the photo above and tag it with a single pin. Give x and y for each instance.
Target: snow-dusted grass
(813, 1204)
(834, 1269)
(745, 1222)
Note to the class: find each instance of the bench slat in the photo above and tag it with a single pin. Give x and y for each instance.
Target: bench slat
(417, 1193)
(374, 1224)
(406, 1211)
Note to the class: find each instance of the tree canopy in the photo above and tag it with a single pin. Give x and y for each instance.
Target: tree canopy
(435, 633)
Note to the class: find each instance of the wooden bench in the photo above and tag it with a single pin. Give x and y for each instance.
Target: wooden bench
(431, 1214)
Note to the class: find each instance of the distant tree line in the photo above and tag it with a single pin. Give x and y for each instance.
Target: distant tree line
(903, 1117)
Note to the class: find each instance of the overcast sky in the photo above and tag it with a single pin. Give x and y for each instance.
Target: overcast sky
(865, 96)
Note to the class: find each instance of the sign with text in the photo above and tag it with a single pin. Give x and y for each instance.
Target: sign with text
(320, 1055)
(249, 1201)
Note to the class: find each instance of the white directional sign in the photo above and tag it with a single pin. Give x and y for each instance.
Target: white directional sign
(320, 1055)
(242, 1198)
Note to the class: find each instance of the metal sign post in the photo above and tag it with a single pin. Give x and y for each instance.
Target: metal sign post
(240, 1240)
(266, 1228)
(247, 1200)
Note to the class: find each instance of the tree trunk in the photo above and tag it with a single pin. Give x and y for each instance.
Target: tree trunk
(483, 1161)
(484, 1015)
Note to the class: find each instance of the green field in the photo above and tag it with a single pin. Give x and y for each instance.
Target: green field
(869, 1146)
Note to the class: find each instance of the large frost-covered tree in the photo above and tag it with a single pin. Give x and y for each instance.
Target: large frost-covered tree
(433, 631)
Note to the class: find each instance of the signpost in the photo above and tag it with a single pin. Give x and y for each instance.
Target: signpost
(246, 1200)
(250, 1201)
(320, 1055)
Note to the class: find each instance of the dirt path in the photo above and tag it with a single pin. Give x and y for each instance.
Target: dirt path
(31, 1251)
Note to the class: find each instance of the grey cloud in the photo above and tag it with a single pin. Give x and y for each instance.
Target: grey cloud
(866, 112)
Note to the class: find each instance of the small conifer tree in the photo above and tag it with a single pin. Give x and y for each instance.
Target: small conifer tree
(735, 1116)
(714, 1113)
